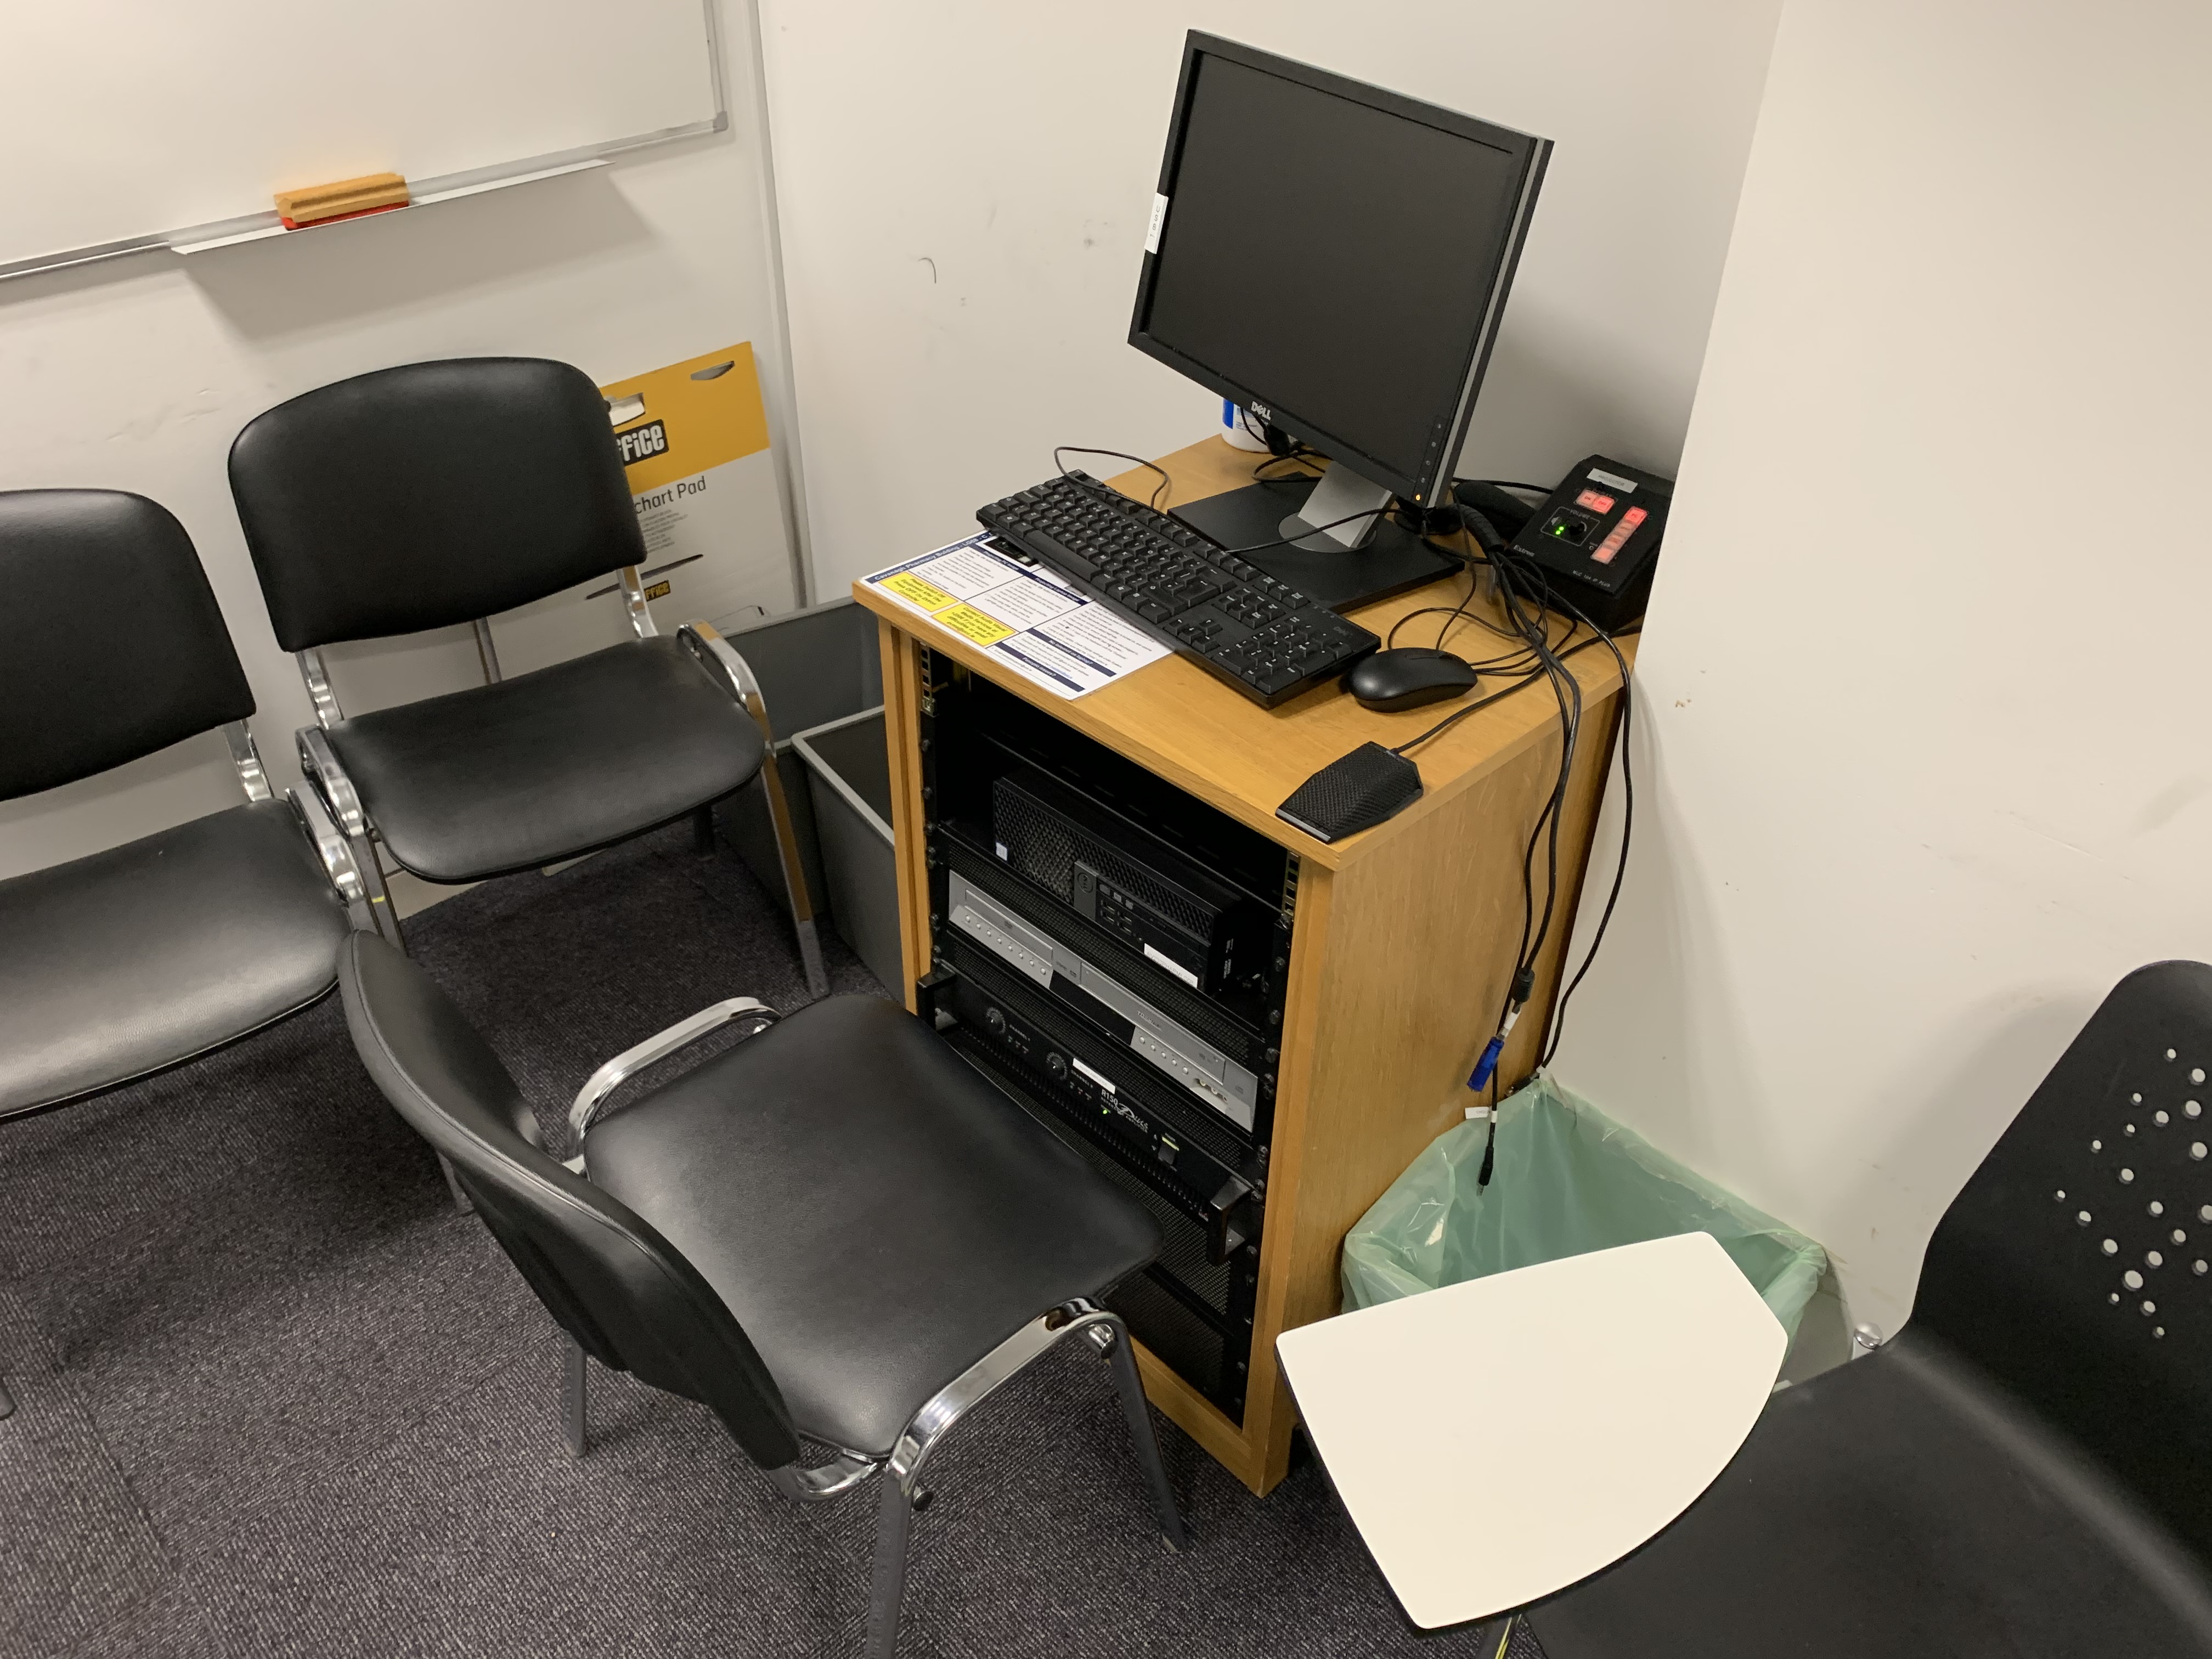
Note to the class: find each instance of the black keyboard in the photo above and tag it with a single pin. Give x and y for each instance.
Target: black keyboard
(1262, 636)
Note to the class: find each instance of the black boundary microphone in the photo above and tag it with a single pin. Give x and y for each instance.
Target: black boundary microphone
(1356, 792)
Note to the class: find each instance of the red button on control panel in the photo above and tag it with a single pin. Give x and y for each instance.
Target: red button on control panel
(1596, 502)
(1606, 550)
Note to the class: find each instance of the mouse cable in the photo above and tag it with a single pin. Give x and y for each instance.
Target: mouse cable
(1112, 493)
(1481, 704)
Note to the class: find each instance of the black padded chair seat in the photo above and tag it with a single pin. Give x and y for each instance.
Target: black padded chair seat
(133, 959)
(842, 1181)
(547, 765)
(1901, 1505)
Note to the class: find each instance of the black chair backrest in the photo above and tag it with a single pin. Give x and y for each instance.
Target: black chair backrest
(111, 642)
(612, 1282)
(2076, 1266)
(429, 495)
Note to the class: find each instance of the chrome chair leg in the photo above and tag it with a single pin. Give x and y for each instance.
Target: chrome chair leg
(462, 1203)
(900, 1494)
(576, 1379)
(895, 1507)
(380, 908)
(1113, 1338)
(387, 924)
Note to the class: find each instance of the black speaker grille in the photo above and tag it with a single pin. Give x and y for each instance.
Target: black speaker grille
(1192, 1349)
(1044, 844)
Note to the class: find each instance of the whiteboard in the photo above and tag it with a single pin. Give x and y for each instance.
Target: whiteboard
(136, 123)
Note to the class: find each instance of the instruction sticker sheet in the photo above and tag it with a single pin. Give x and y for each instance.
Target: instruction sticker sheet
(1022, 615)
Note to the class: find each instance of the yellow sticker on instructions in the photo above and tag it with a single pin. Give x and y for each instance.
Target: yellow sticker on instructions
(970, 623)
(915, 591)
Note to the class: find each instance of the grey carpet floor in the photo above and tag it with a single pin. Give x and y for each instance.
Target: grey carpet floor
(276, 1397)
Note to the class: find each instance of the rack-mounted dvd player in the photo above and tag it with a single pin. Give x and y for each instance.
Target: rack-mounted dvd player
(1209, 1076)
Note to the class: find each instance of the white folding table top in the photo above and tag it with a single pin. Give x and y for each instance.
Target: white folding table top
(1498, 1440)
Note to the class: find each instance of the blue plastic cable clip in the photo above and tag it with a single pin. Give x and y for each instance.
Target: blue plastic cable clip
(1488, 1063)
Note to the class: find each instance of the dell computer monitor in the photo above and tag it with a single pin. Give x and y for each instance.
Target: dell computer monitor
(1334, 259)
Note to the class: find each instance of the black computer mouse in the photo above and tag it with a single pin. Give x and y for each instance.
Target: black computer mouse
(1408, 678)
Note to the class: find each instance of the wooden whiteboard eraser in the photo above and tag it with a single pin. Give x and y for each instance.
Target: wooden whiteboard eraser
(371, 193)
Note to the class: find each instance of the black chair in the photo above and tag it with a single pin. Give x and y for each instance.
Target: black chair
(835, 1230)
(2026, 1469)
(440, 493)
(140, 958)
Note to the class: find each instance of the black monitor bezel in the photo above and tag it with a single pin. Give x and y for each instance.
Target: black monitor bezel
(1529, 152)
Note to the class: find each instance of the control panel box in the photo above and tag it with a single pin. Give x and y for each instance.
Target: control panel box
(1597, 539)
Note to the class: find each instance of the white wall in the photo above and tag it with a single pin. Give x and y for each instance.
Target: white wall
(1924, 766)
(965, 187)
(138, 373)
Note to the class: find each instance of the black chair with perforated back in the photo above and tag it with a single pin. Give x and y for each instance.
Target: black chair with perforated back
(2025, 1469)
(137, 958)
(834, 1230)
(441, 493)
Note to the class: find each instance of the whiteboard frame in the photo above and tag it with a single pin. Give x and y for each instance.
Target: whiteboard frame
(424, 192)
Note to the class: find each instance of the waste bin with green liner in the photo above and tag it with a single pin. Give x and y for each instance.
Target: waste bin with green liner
(1566, 1180)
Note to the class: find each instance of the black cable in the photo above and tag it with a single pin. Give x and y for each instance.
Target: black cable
(1297, 458)
(1535, 926)
(1111, 495)
(1558, 1022)
(1476, 707)
(1286, 541)
(1106, 493)
(1569, 691)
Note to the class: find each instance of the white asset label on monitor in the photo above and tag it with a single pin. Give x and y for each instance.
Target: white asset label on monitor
(1159, 218)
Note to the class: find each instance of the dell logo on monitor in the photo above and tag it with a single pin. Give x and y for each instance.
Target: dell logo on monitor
(1263, 411)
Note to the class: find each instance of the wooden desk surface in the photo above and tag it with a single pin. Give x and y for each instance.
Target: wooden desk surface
(1187, 727)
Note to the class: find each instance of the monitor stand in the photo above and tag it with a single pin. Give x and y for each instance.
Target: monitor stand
(1389, 560)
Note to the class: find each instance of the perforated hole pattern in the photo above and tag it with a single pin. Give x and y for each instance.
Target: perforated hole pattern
(2143, 1163)
(1045, 846)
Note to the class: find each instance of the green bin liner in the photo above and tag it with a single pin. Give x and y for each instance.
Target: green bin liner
(1567, 1180)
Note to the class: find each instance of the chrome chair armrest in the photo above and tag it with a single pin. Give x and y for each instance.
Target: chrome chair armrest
(246, 756)
(719, 658)
(609, 1077)
(635, 603)
(329, 845)
(320, 762)
(316, 676)
(734, 675)
(824, 1481)
(968, 1389)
